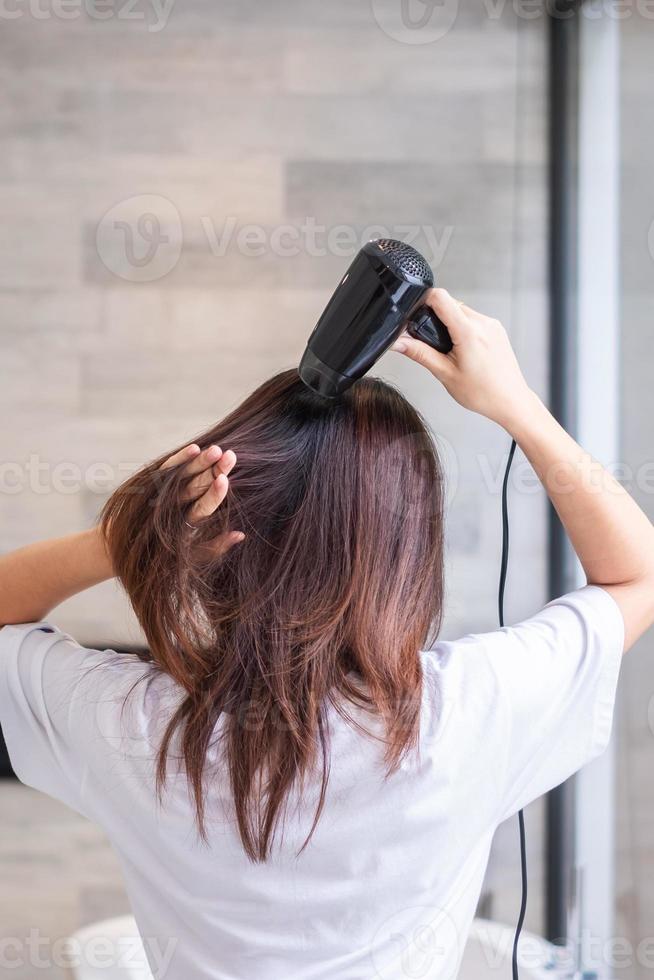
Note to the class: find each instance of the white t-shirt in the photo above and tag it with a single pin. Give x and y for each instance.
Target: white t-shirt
(388, 885)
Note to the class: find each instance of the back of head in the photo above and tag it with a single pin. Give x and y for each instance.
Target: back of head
(336, 587)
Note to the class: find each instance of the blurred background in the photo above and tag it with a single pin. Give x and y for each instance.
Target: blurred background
(184, 182)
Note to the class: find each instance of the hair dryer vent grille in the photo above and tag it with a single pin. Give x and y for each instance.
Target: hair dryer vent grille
(406, 259)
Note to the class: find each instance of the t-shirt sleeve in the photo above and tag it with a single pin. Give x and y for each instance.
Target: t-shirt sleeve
(40, 669)
(553, 682)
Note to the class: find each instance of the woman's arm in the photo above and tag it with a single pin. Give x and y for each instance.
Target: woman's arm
(35, 579)
(611, 535)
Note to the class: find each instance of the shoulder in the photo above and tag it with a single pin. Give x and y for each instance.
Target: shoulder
(459, 681)
(45, 669)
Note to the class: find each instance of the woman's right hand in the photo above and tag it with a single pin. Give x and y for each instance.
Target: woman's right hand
(481, 371)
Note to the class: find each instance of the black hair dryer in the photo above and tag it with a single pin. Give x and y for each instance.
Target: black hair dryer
(380, 295)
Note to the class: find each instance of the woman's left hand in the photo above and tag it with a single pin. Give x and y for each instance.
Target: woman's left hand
(208, 472)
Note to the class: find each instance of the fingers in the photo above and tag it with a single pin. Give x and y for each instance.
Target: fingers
(197, 460)
(203, 461)
(462, 321)
(210, 500)
(226, 541)
(439, 364)
(224, 464)
(202, 466)
(210, 550)
(183, 456)
(455, 314)
(450, 311)
(211, 494)
(209, 470)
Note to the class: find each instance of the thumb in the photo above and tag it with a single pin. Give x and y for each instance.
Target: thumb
(439, 364)
(450, 311)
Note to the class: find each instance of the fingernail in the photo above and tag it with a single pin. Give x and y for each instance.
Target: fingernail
(213, 452)
(400, 346)
(194, 449)
(239, 537)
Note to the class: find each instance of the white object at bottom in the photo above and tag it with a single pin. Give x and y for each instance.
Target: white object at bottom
(112, 950)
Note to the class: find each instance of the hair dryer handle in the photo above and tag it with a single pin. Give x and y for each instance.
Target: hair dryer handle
(424, 325)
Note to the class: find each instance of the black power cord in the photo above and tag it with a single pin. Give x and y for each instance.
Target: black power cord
(500, 602)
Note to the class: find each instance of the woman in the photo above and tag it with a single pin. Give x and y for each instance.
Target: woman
(294, 789)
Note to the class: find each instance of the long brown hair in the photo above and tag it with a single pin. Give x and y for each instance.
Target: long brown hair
(328, 600)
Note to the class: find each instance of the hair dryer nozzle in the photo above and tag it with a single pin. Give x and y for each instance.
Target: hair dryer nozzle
(322, 379)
